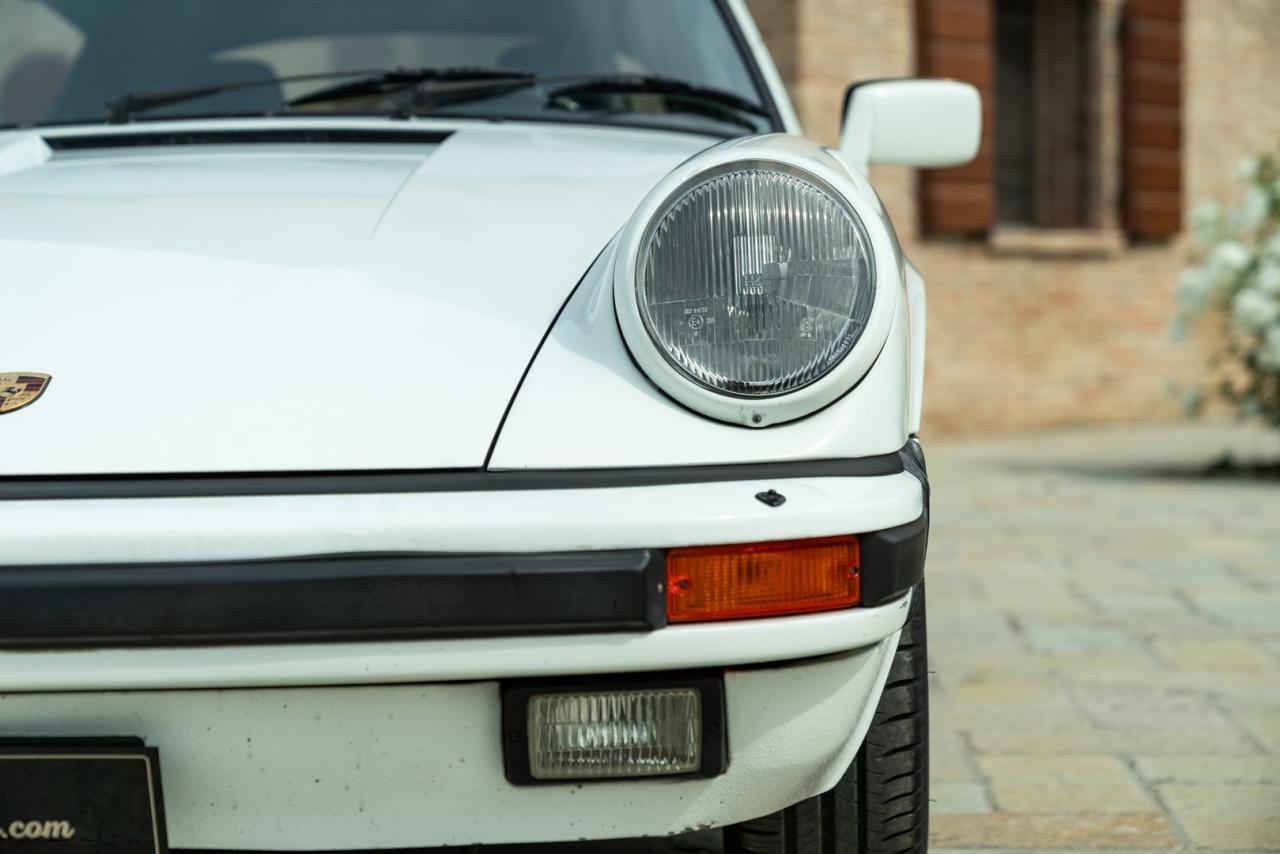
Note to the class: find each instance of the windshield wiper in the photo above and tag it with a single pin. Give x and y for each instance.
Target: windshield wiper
(457, 85)
(470, 80)
(461, 84)
(689, 97)
(367, 82)
(132, 103)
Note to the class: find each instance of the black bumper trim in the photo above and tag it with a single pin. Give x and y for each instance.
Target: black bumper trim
(332, 598)
(893, 559)
(403, 595)
(67, 487)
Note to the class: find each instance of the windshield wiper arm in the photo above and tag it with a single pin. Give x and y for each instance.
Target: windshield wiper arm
(130, 104)
(397, 80)
(454, 85)
(367, 82)
(648, 84)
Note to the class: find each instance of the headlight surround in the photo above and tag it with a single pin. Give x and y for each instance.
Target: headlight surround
(755, 280)
(755, 284)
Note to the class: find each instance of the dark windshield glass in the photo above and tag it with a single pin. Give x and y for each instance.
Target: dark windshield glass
(63, 60)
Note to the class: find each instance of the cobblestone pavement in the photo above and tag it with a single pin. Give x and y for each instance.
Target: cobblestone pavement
(1104, 631)
(1105, 643)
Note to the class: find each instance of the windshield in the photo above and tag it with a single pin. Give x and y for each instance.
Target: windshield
(63, 61)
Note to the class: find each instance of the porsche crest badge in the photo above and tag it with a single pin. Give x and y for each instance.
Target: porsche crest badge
(19, 390)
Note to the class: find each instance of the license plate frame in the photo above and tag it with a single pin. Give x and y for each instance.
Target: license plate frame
(103, 795)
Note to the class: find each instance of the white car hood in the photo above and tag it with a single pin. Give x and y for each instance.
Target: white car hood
(237, 308)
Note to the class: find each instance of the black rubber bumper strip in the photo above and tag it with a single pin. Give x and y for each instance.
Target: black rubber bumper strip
(345, 597)
(66, 487)
(374, 596)
(893, 559)
(399, 595)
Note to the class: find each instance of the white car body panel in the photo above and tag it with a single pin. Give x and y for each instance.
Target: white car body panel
(325, 769)
(22, 151)
(148, 530)
(391, 307)
(916, 314)
(301, 307)
(624, 420)
(377, 663)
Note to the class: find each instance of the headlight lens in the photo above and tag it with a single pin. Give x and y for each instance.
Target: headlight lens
(755, 281)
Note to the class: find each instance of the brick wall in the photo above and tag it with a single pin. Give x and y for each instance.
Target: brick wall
(1020, 341)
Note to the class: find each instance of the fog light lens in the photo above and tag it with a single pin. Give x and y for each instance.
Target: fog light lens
(638, 733)
(762, 579)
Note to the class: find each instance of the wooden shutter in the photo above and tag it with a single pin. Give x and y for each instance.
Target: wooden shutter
(956, 39)
(1152, 117)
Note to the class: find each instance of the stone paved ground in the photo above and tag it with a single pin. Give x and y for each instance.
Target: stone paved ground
(1105, 646)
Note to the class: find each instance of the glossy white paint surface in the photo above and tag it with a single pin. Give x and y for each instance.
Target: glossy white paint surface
(238, 308)
(925, 123)
(331, 307)
(243, 527)
(586, 404)
(713, 644)
(22, 151)
(916, 314)
(326, 769)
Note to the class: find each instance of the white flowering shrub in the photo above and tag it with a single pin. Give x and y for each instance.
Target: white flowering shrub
(1238, 274)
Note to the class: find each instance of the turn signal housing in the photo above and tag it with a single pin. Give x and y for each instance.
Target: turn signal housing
(762, 579)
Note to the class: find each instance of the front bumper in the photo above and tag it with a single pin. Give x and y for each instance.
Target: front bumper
(452, 556)
(405, 766)
(396, 743)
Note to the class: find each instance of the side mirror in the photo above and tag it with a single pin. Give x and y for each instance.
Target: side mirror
(910, 122)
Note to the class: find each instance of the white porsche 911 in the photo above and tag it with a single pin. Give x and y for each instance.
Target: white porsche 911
(442, 422)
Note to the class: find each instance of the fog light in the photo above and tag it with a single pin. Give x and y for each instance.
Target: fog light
(615, 733)
(608, 727)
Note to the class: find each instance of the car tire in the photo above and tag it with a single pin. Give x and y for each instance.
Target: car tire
(881, 804)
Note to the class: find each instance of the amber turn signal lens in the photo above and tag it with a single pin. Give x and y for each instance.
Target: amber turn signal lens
(762, 579)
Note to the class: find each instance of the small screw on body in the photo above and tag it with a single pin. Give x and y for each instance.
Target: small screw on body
(773, 498)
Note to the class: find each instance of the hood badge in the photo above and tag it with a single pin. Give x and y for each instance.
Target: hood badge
(19, 390)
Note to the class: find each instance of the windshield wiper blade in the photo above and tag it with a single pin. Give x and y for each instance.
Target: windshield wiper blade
(648, 84)
(460, 84)
(367, 82)
(132, 103)
(470, 79)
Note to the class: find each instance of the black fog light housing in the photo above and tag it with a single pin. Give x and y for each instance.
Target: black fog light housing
(614, 728)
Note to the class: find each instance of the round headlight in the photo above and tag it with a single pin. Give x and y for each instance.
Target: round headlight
(755, 280)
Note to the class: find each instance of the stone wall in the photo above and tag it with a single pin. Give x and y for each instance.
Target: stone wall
(1029, 334)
